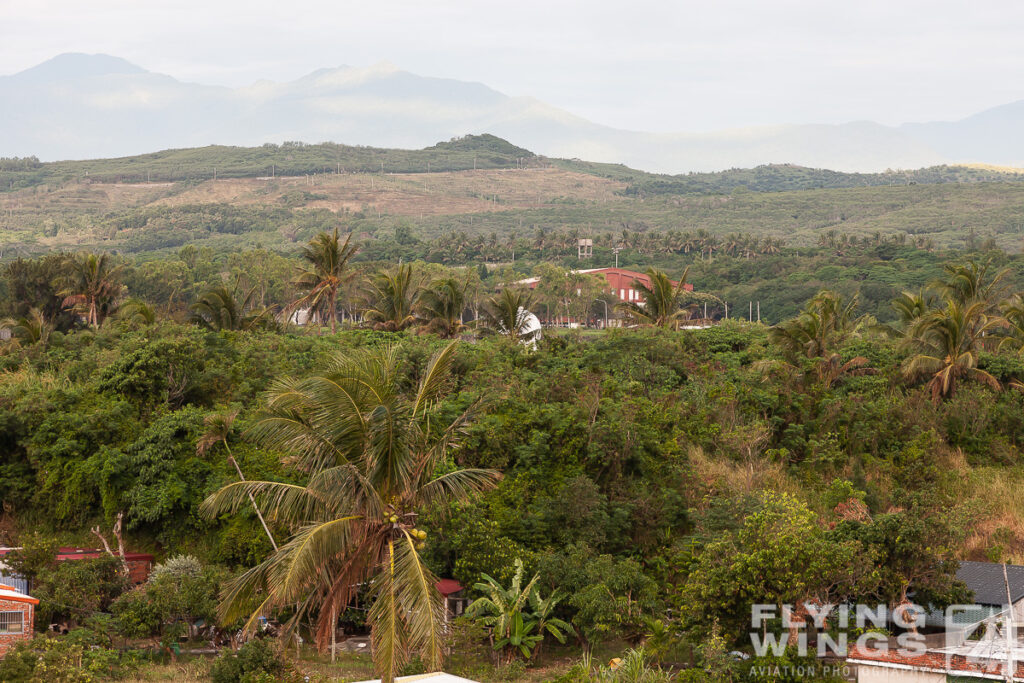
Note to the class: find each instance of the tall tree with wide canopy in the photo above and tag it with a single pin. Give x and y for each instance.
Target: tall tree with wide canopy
(390, 299)
(324, 272)
(90, 287)
(662, 303)
(375, 457)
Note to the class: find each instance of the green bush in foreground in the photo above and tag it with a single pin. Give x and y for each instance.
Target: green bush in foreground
(64, 660)
(255, 662)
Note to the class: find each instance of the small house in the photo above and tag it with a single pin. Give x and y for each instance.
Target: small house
(17, 617)
(982, 641)
(139, 564)
(454, 604)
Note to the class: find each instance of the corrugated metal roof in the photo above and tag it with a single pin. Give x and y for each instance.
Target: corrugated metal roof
(985, 580)
(9, 593)
(437, 677)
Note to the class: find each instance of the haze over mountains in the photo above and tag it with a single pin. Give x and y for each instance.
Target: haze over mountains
(78, 106)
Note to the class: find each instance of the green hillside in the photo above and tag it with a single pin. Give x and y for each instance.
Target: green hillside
(287, 159)
(785, 177)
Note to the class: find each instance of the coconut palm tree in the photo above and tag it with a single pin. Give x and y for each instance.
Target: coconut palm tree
(817, 333)
(909, 307)
(826, 321)
(218, 429)
(947, 342)
(217, 309)
(137, 311)
(372, 453)
(90, 287)
(439, 307)
(1013, 332)
(662, 304)
(508, 313)
(390, 300)
(29, 329)
(970, 282)
(324, 272)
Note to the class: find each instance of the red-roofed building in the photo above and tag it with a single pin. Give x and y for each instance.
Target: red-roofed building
(449, 588)
(619, 282)
(17, 617)
(139, 564)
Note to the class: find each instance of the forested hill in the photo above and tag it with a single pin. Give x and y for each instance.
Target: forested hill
(287, 159)
(481, 152)
(786, 177)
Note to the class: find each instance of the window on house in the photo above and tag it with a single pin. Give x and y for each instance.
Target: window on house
(11, 622)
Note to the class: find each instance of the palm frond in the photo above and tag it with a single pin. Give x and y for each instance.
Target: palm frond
(422, 604)
(458, 486)
(387, 635)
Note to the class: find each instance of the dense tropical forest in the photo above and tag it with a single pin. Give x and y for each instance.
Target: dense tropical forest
(308, 414)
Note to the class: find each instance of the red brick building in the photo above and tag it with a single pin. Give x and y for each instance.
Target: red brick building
(17, 617)
(139, 564)
(619, 282)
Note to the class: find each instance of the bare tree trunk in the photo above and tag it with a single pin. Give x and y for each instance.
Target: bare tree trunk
(120, 542)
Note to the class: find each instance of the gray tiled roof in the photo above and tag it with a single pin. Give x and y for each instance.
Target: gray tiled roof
(985, 579)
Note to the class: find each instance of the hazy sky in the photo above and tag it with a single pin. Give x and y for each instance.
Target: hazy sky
(658, 65)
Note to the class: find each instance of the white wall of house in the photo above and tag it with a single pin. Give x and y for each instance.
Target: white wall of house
(885, 674)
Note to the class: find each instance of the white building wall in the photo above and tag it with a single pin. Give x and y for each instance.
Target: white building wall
(885, 674)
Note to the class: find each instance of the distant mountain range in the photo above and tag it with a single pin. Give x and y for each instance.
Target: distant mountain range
(78, 106)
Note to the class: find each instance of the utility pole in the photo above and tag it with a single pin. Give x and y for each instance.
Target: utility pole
(758, 311)
(750, 315)
(1008, 628)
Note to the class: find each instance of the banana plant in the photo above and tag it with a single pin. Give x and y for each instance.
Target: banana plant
(517, 616)
(520, 637)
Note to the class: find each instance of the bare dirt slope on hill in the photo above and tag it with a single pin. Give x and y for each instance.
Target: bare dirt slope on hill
(398, 194)
(408, 194)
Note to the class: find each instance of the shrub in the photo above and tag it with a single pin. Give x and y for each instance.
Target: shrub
(63, 660)
(256, 661)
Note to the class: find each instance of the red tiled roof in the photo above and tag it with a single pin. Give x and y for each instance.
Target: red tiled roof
(93, 553)
(448, 586)
(932, 660)
(71, 553)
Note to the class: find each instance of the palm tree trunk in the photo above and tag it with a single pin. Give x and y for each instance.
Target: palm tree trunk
(334, 310)
(252, 499)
